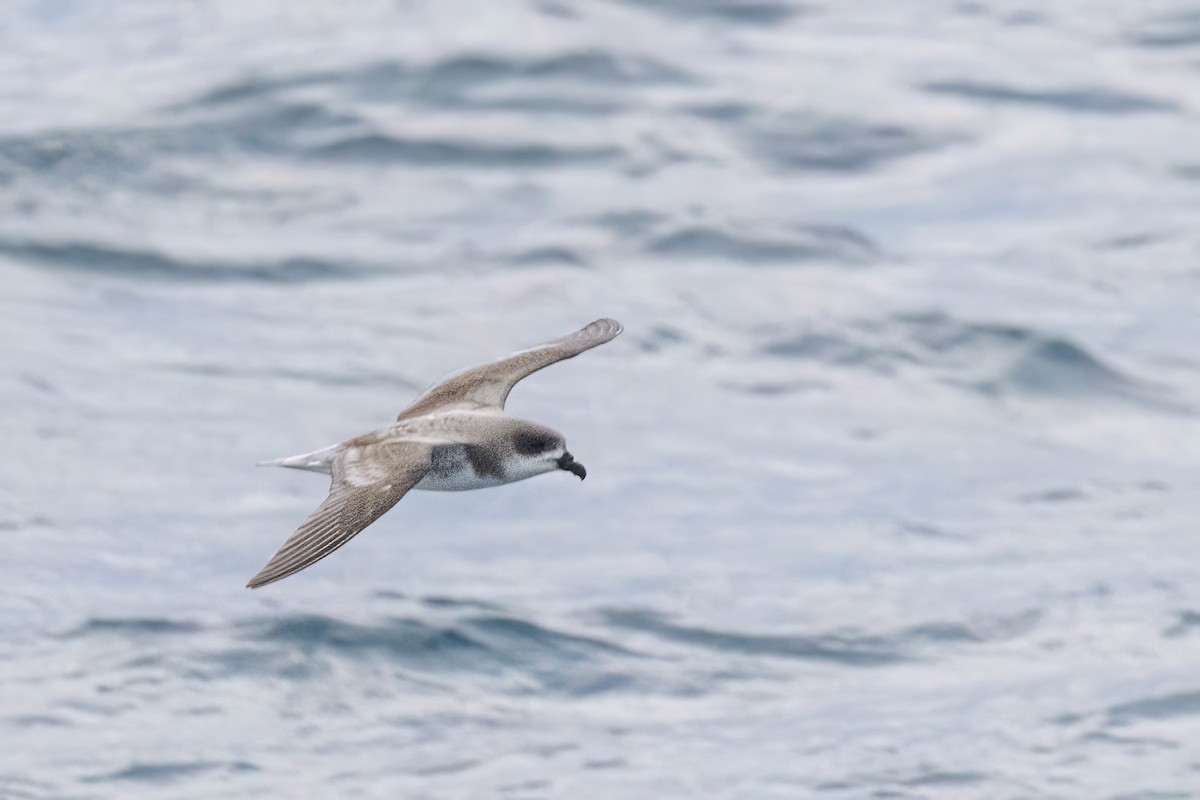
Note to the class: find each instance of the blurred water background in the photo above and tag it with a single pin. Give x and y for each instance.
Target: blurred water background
(892, 477)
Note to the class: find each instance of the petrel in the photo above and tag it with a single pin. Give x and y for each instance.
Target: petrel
(454, 437)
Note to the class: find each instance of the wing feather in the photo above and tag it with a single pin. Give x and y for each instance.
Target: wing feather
(350, 507)
(488, 385)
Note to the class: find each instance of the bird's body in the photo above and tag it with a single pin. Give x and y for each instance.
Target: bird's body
(454, 437)
(468, 450)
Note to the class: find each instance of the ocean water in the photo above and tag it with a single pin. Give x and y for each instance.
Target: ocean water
(892, 476)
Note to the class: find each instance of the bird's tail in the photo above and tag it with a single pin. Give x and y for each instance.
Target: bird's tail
(316, 461)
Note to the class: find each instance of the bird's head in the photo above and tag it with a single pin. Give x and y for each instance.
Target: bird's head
(539, 449)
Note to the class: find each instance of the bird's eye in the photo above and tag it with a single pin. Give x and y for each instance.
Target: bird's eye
(532, 444)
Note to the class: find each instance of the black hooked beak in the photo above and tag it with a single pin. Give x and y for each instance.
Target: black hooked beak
(569, 463)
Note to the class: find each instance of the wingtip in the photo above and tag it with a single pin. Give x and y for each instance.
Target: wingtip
(266, 576)
(607, 326)
(261, 579)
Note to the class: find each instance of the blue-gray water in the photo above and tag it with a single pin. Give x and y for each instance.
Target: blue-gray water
(892, 477)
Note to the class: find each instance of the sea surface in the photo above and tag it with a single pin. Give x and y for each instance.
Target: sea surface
(892, 477)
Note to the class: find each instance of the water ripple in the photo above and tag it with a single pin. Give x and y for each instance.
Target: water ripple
(487, 644)
(1185, 621)
(402, 638)
(134, 627)
(549, 255)
(842, 649)
(456, 82)
(746, 12)
(166, 772)
(1174, 31)
(1179, 704)
(810, 243)
(306, 647)
(987, 357)
(1082, 100)
(848, 648)
(442, 152)
(358, 377)
(127, 262)
(804, 141)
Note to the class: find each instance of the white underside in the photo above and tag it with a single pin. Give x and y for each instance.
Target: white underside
(461, 481)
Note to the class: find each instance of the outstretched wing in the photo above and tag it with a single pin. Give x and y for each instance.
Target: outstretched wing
(367, 481)
(488, 385)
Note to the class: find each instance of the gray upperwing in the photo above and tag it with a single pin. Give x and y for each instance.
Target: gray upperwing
(488, 385)
(367, 481)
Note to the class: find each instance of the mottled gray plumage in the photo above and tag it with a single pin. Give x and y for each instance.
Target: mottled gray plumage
(453, 437)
